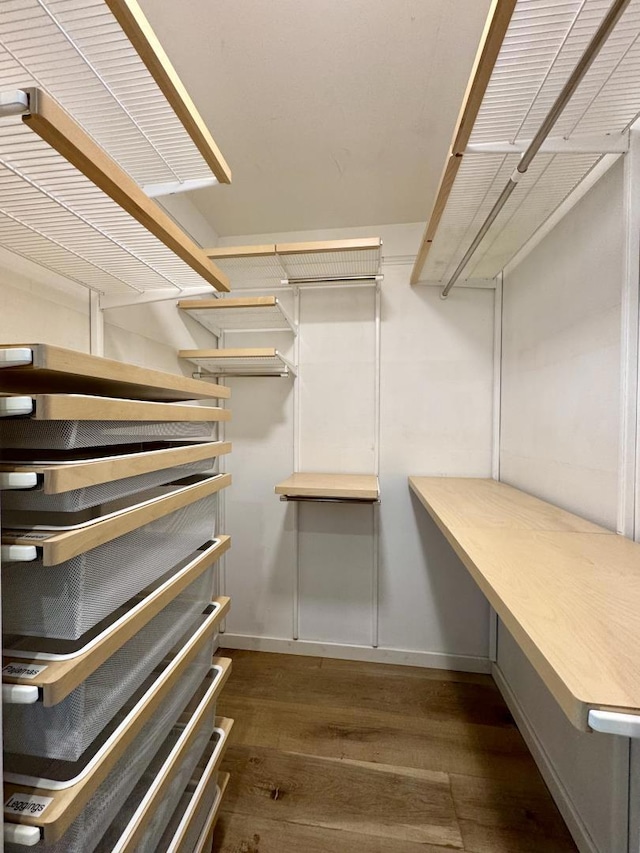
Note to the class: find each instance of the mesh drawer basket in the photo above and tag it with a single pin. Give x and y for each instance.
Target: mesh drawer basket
(210, 797)
(66, 600)
(90, 496)
(86, 831)
(68, 435)
(64, 731)
(164, 808)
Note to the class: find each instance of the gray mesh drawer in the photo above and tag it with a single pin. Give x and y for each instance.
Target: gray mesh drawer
(87, 829)
(116, 837)
(66, 435)
(190, 817)
(66, 600)
(64, 731)
(89, 496)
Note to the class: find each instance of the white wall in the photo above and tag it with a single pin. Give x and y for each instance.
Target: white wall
(560, 440)
(436, 381)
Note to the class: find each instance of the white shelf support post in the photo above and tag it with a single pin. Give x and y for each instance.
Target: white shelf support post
(96, 320)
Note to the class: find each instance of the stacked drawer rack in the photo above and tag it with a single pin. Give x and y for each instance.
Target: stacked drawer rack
(110, 476)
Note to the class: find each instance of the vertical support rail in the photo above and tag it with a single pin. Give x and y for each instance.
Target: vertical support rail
(496, 426)
(296, 465)
(96, 325)
(375, 580)
(628, 521)
(221, 434)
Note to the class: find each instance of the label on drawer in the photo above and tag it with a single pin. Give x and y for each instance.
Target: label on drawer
(16, 669)
(27, 804)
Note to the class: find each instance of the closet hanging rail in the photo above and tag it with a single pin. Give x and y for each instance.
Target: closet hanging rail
(584, 63)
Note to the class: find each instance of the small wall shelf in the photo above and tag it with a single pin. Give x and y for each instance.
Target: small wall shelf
(256, 361)
(245, 313)
(355, 488)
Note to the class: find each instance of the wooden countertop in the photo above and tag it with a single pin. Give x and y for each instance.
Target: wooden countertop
(349, 486)
(568, 590)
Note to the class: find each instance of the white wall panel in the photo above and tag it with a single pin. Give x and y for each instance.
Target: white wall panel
(336, 558)
(560, 441)
(561, 359)
(437, 362)
(336, 380)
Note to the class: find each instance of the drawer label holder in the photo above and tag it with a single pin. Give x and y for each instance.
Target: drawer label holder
(26, 804)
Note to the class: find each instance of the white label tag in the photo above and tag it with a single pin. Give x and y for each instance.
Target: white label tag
(23, 670)
(27, 804)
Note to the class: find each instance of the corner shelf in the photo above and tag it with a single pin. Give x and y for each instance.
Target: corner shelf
(333, 488)
(257, 361)
(242, 314)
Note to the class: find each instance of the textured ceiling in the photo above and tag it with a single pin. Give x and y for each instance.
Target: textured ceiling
(330, 113)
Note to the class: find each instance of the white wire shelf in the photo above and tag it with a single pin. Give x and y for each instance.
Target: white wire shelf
(78, 52)
(52, 214)
(259, 361)
(255, 314)
(299, 263)
(541, 47)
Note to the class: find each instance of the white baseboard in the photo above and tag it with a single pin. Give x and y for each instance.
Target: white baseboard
(430, 660)
(559, 793)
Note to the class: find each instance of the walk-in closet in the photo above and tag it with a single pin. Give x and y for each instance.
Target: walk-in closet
(320, 426)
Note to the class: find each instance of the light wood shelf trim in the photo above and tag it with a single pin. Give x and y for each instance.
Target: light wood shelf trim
(205, 842)
(323, 246)
(493, 35)
(226, 252)
(563, 587)
(56, 127)
(58, 478)
(225, 724)
(78, 407)
(67, 803)
(240, 352)
(222, 304)
(355, 486)
(138, 824)
(141, 35)
(62, 676)
(58, 370)
(64, 545)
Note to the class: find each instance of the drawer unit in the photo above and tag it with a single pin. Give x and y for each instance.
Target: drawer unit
(82, 798)
(72, 585)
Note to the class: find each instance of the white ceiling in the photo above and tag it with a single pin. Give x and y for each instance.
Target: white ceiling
(331, 113)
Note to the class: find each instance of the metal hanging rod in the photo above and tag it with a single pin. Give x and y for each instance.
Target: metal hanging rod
(584, 63)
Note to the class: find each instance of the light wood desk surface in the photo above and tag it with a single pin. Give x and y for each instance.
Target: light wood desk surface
(568, 590)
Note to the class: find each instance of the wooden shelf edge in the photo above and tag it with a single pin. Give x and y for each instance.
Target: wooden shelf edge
(349, 486)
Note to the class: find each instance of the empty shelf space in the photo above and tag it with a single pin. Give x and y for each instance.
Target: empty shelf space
(565, 588)
(37, 368)
(257, 313)
(354, 487)
(300, 263)
(247, 361)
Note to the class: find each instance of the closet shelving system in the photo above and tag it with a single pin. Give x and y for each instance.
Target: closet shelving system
(109, 685)
(320, 263)
(527, 56)
(109, 471)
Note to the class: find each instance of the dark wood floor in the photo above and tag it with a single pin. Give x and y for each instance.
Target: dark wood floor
(333, 756)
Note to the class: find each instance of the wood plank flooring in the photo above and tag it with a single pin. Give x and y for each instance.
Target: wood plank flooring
(333, 756)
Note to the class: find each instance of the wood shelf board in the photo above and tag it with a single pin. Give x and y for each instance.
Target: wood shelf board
(569, 595)
(226, 252)
(59, 545)
(58, 478)
(355, 486)
(227, 304)
(58, 370)
(60, 677)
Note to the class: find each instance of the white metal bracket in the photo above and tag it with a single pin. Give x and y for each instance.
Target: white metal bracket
(18, 833)
(11, 480)
(11, 407)
(173, 187)
(16, 356)
(592, 143)
(18, 553)
(615, 723)
(19, 694)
